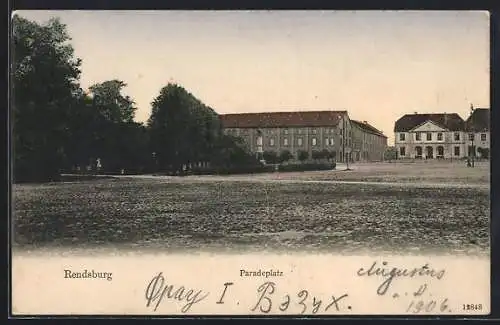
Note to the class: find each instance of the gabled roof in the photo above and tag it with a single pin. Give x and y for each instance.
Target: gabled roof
(450, 121)
(479, 120)
(282, 119)
(368, 128)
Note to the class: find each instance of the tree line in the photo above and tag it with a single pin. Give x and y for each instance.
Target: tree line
(58, 127)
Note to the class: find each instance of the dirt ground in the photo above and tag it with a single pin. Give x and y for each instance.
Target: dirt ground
(412, 207)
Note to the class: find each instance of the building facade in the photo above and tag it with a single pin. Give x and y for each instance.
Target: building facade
(294, 131)
(369, 144)
(478, 133)
(439, 136)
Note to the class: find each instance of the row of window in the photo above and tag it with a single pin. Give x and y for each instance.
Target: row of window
(285, 131)
(456, 136)
(429, 151)
(297, 131)
(299, 142)
(418, 136)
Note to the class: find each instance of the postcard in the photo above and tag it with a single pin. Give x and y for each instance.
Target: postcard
(170, 163)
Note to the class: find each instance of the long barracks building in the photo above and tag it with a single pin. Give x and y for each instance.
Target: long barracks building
(308, 131)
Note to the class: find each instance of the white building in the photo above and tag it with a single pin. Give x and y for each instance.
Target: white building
(442, 136)
(430, 136)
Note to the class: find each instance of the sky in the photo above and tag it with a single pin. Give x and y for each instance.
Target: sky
(377, 65)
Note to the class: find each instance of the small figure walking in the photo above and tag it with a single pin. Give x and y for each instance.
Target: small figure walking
(468, 163)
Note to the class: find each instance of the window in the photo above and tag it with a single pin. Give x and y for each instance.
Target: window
(457, 136)
(313, 131)
(401, 137)
(440, 137)
(471, 136)
(429, 136)
(299, 131)
(402, 151)
(332, 142)
(457, 151)
(299, 141)
(285, 141)
(483, 136)
(314, 142)
(271, 142)
(285, 131)
(418, 136)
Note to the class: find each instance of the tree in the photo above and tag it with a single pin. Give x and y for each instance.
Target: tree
(45, 81)
(229, 151)
(182, 129)
(390, 153)
(285, 156)
(316, 155)
(107, 97)
(332, 154)
(118, 141)
(270, 157)
(325, 154)
(302, 155)
(83, 134)
(484, 152)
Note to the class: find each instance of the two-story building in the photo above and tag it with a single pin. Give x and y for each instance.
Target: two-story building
(293, 131)
(430, 136)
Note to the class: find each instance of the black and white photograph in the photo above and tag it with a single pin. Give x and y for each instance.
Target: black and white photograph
(235, 132)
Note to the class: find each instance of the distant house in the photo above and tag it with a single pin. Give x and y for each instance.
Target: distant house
(444, 135)
(478, 131)
(430, 136)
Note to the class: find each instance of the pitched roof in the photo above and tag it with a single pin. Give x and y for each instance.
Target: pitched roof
(479, 120)
(368, 128)
(452, 121)
(282, 119)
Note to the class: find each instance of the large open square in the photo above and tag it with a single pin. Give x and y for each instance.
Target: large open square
(408, 207)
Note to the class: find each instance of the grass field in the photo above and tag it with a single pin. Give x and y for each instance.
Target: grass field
(273, 211)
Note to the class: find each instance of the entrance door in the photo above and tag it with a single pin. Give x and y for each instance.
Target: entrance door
(430, 152)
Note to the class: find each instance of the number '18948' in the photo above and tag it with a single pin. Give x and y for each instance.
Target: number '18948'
(472, 307)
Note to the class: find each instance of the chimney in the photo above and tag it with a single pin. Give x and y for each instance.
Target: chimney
(415, 113)
(365, 122)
